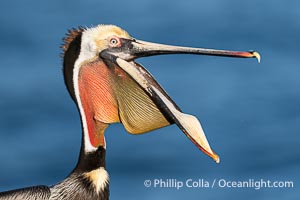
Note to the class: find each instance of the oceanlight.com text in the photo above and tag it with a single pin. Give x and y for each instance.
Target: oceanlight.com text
(256, 184)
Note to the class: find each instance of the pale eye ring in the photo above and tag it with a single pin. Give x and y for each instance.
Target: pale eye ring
(114, 41)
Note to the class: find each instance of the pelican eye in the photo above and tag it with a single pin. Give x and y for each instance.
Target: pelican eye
(114, 42)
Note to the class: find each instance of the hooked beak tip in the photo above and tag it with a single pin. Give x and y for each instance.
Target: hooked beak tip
(256, 55)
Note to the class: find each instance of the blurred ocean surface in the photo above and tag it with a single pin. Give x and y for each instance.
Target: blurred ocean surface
(250, 112)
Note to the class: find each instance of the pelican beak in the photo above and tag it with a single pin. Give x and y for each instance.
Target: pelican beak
(132, 49)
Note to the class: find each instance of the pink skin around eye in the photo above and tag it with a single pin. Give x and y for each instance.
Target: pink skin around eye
(117, 42)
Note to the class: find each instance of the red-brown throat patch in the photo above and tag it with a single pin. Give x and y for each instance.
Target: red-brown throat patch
(97, 99)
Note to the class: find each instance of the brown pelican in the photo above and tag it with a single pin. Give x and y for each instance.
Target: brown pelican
(108, 86)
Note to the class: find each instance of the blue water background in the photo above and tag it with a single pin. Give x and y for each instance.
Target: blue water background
(250, 112)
